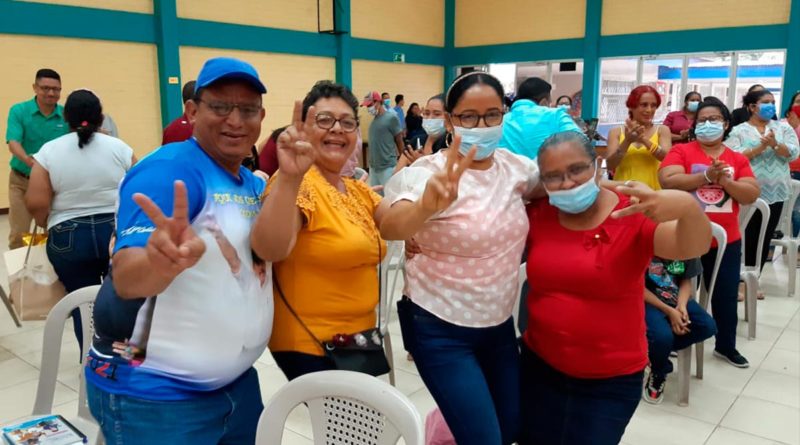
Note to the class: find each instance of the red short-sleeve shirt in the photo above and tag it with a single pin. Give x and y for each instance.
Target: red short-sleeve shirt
(719, 206)
(586, 304)
(178, 130)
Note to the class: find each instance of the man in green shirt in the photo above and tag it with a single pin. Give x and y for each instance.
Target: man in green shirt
(30, 125)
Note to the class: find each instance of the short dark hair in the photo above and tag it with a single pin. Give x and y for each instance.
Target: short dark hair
(564, 97)
(47, 73)
(713, 102)
(384, 94)
(534, 88)
(690, 94)
(84, 114)
(467, 81)
(754, 96)
(188, 90)
(329, 89)
(399, 98)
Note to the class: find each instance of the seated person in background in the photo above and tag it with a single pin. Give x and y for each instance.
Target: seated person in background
(674, 320)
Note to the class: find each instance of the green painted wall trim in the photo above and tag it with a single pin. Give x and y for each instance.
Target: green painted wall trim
(169, 63)
(518, 52)
(379, 50)
(344, 47)
(591, 58)
(449, 42)
(791, 72)
(70, 21)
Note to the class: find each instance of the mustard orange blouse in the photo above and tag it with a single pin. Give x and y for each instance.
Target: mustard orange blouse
(330, 279)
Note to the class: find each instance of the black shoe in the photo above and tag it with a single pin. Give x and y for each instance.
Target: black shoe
(653, 391)
(734, 358)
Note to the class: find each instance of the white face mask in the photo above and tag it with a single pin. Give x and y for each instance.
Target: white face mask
(434, 127)
(371, 110)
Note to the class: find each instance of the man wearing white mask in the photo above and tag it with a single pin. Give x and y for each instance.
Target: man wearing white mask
(385, 140)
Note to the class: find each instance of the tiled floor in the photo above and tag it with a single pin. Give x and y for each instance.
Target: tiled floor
(755, 406)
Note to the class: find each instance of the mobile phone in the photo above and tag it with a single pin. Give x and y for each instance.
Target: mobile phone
(593, 125)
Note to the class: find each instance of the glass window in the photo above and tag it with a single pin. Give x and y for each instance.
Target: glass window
(535, 69)
(709, 75)
(617, 79)
(761, 67)
(664, 74)
(567, 80)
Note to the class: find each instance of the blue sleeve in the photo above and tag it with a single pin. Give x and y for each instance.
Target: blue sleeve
(154, 178)
(566, 122)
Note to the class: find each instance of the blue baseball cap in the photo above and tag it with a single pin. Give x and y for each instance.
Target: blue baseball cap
(220, 68)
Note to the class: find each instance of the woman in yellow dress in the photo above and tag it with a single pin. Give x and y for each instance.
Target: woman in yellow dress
(635, 150)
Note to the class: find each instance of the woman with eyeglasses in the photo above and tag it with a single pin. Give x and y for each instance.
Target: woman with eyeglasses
(636, 149)
(769, 145)
(585, 349)
(327, 225)
(721, 180)
(680, 122)
(465, 208)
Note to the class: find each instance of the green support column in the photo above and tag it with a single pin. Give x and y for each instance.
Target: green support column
(169, 64)
(591, 59)
(791, 74)
(344, 52)
(449, 41)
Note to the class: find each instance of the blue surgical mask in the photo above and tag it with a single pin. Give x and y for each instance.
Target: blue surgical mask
(387, 103)
(709, 131)
(485, 139)
(576, 199)
(433, 127)
(766, 111)
(564, 107)
(692, 105)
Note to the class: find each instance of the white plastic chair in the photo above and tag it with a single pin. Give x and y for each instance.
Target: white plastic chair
(522, 277)
(346, 408)
(83, 299)
(750, 275)
(704, 297)
(394, 260)
(789, 244)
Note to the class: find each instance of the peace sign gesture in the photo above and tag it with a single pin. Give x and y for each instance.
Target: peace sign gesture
(442, 188)
(174, 246)
(659, 206)
(295, 153)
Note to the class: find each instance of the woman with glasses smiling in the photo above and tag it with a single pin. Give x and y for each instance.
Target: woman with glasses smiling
(326, 224)
(585, 350)
(465, 208)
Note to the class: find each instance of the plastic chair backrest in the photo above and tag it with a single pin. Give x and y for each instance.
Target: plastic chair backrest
(394, 260)
(745, 215)
(788, 206)
(345, 408)
(721, 237)
(51, 348)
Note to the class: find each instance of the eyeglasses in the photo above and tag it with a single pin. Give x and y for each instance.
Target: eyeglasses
(714, 119)
(49, 89)
(575, 173)
(224, 109)
(348, 124)
(492, 118)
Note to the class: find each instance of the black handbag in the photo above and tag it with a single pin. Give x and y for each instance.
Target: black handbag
(361, 351)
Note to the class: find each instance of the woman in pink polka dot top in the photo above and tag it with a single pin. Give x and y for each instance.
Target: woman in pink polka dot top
(465, 207)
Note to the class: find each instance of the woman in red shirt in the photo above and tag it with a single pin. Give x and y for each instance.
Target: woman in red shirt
(680, 122)
(721, 179)
(585, 348)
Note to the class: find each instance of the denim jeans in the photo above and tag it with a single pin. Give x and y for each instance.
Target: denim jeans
(661, 340)
(753, 230)
(294, 364)
(796, 210)
(228, 415)
(78, 250)
(724, 302)
(472, 373)
(561, 410)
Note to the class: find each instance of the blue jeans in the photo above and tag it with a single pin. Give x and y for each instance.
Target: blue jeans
(796, 210)
(472, 373)
(228, 415)
(661, 340)
(380, 176)
(561, 410)
(78, 250)
(724, 302)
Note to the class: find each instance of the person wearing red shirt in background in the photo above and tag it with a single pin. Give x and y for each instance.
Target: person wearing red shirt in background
(181, 128)
(792, 116)
(268, 155)
(585, 348)
(721, 179)
(680, 121)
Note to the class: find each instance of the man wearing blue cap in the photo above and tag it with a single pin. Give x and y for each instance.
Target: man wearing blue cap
(187, 309)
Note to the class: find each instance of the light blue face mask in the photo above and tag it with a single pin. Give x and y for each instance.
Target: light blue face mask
(387, 103)
(485, 139)
(433, 127)
(709, 131)
(766, 111)
(576, 199)
(692, 106)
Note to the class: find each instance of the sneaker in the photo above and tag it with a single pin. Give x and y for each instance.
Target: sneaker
(653, 391)
(734, 358)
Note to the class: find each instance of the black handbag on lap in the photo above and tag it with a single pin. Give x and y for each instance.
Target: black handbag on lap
(361, 351)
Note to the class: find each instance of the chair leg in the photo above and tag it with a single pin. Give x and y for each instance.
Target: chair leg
(684, 374)
(751, 300)
(387, 343)
(7, 303)
(699, 349)
(791, 267)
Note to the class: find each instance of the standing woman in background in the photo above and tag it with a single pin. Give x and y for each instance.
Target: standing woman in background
(742, 114)
(792, 116)
(769, 145)
(414, 131)
(73, 192)
(636, 149)
(680, 122)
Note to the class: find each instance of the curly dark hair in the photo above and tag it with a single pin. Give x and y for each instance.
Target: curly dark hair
(328, 89)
